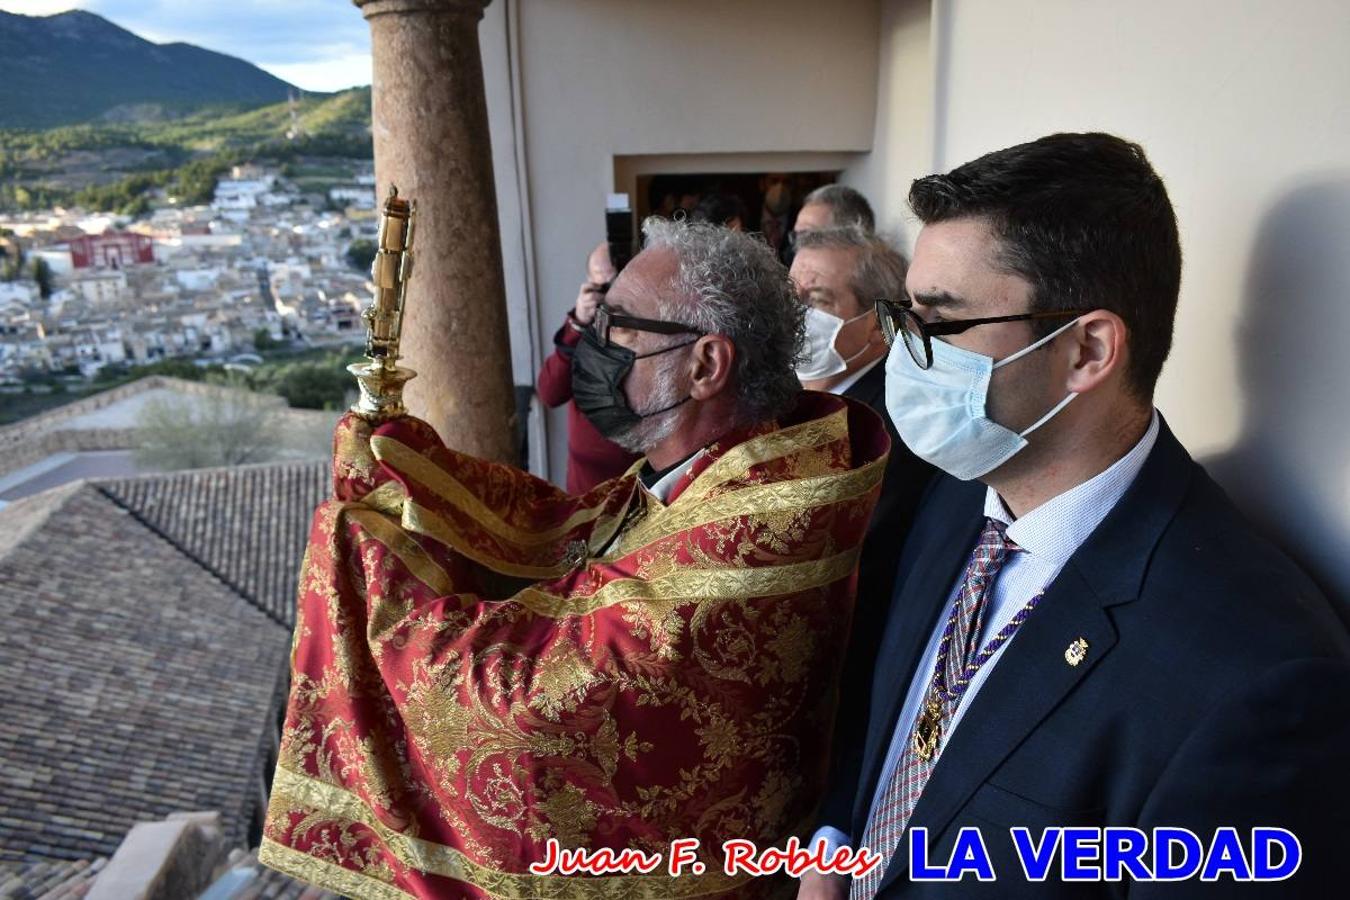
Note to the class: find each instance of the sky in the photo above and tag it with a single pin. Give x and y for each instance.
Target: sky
(318, 45)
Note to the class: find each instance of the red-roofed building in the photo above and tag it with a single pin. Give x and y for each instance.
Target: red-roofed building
(111, 250)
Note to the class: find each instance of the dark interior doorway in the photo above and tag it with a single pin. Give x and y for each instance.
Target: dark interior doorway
(769, 200)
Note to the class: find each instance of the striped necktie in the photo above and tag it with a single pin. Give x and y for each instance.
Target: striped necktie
(958, 651)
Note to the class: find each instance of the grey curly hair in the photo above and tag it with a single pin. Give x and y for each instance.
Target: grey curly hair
(731, 283)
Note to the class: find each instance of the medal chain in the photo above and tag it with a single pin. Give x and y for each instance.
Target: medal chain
(941, 698)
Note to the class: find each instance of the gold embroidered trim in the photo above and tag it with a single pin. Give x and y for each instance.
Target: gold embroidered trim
(776, 498)
(324, 874)
(419, 519)
(447, 487)
(696, 585)
(447, 862)
(774, 445)
(387, 498)
(409, 552)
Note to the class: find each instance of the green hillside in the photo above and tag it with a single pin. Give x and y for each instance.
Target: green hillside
(113, 166)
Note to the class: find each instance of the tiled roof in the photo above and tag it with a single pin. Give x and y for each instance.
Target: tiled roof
(247, 525)
(47, 879)
(261, 883)
(134, 681)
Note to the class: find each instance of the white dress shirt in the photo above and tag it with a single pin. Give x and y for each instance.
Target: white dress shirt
(666, 483)
(1048, 536)
(853, 379)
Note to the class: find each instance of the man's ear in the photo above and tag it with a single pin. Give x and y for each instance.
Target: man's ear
(1100, 350)
(874, 335)
(711, 362)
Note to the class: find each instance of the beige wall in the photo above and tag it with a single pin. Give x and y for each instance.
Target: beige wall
(606, 79)
(1244, 107)
(494, 36)
(902, 147)
(1241, 105)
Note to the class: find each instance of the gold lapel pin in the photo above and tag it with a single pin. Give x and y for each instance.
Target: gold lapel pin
(1076, 652)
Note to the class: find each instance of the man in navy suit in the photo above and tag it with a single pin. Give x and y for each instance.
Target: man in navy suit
(1083, 630)
(839, 273)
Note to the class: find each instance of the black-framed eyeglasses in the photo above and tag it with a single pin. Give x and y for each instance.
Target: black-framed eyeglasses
(896, 317)
(606, 318)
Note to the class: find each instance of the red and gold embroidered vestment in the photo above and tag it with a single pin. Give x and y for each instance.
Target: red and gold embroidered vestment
(483, 662)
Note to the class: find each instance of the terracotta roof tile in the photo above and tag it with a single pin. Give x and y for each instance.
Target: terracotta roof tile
(136, 680)
(47, 879)
(247, 525)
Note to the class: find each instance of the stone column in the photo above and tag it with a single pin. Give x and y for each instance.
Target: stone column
(429, 118)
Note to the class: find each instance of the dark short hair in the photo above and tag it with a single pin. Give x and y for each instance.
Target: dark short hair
(1087, 221)
(847, 206)
(878, 272)
(719, 209)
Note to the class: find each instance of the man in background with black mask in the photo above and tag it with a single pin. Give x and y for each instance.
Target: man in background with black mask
(590, 458)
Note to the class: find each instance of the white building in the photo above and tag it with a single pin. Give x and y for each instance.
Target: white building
(17, 293)
(98, 223)
(201, 279)
(100, 287)
(98, 347)
(24, 347)
(290, 278)
(216, 240)
(359, 197)
(241, 193)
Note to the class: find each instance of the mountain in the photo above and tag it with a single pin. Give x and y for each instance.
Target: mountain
(79, 67)
(113, 166)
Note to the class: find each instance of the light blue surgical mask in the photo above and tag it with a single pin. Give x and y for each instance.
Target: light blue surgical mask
(940, 412)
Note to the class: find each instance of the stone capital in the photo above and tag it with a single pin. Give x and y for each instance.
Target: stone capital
(372, 8)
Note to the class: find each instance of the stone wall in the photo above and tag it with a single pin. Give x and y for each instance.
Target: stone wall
(38, 437)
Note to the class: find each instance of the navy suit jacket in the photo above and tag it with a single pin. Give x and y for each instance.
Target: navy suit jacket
(1215, 691)
(902, 487)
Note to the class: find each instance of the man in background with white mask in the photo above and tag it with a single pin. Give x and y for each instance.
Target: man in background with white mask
(830, 206)
(1084, 631)
(839, 273)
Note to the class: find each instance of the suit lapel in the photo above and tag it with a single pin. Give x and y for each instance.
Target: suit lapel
(1034, 674)
(871, 388)
(932, 562)
(1030, 679)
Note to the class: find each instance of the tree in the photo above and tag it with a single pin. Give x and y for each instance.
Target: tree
(230, 426)
(13, 265)
(136, 207)
(175, 367)
(263, 340)
(42, 274)
(361, 254)
(311, 385)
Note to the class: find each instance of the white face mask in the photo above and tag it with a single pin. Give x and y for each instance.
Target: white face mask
(822, 360)
(941, 414)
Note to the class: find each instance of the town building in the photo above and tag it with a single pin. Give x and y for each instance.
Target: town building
(111, 250)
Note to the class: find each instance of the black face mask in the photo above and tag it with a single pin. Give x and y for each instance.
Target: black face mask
(597, 384)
